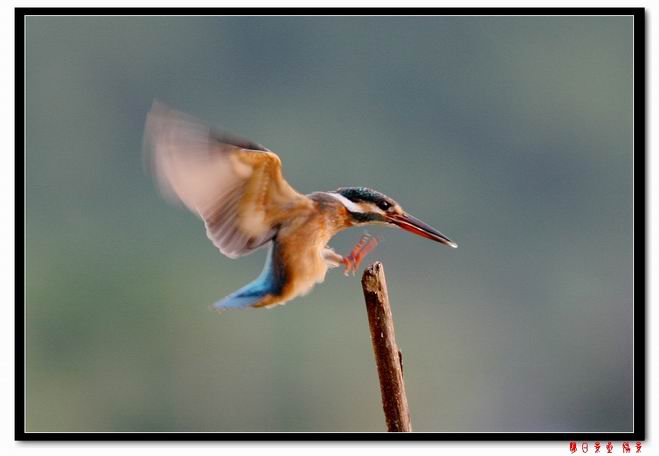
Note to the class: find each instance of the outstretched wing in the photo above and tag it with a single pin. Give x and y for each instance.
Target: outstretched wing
(233, 184)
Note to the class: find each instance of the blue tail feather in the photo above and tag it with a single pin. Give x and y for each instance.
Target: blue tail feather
(240, 299)
(270, 281)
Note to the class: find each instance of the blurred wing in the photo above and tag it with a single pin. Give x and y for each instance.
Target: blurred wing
(233, 184)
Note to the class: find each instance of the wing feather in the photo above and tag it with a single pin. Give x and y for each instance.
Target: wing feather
(235, 185)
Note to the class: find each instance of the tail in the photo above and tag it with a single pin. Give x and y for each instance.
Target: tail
(248, 296)
(269, 283)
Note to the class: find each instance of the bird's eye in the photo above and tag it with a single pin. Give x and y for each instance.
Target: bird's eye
(384, 205)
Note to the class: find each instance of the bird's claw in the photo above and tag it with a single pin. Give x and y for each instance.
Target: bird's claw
(350, 264)
(365, 245)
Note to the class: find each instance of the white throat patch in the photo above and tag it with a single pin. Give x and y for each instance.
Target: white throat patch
(352, 207)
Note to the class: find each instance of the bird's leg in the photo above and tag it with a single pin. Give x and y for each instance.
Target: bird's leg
(332, 258)
(365, 245)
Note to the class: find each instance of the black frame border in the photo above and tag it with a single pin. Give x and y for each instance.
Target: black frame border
(640, 258)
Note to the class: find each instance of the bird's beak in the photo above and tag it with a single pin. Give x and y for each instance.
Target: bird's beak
(416, 226)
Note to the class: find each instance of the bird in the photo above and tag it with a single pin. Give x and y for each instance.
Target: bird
(237, 188)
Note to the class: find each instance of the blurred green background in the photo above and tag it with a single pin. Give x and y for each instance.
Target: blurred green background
(512, 135)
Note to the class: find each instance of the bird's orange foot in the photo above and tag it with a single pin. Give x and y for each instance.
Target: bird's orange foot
(365, 245)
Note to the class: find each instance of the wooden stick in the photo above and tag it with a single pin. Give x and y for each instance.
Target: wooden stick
(388, 357)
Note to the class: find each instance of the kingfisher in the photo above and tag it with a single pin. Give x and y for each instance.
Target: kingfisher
(237, 188)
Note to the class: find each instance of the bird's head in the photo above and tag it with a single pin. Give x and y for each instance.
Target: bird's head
(365, 206)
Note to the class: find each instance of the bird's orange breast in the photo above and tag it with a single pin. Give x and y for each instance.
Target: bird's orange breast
(301, 242)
